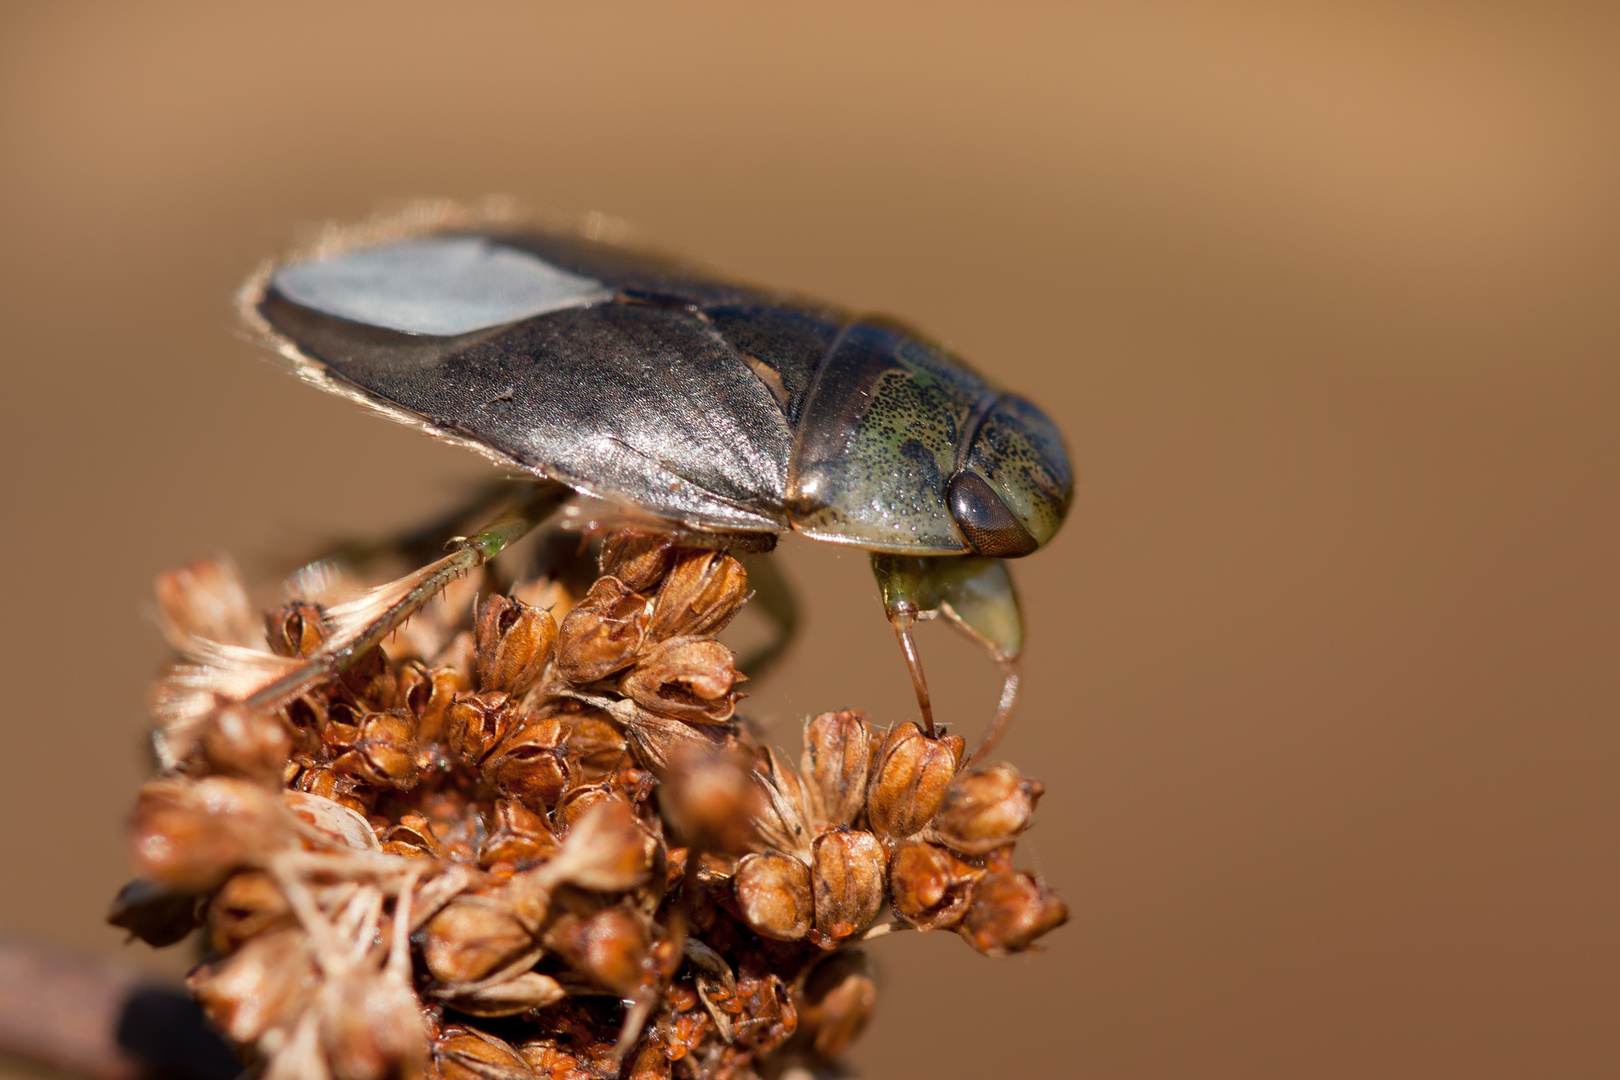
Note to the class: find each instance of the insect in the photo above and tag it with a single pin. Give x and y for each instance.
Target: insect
(728, 413)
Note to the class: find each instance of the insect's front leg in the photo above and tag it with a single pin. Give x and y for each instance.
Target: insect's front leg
(976, 594)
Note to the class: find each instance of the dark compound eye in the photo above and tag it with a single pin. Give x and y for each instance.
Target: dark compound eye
(988, 525)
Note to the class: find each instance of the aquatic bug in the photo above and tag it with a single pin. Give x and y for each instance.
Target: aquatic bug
(728, 413)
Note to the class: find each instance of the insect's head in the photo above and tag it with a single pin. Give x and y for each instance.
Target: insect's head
(1014, 486)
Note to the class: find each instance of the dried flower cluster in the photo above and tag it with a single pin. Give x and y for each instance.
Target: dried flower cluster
(532, 839)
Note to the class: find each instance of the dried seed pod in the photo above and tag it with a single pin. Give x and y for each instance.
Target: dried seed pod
(691, 679)
(847, 874)
(263, 985)
(530, 764)
(239, 741)
(328, 783)
(607, 850)
(519, 994)
(372, 1029)
(603, 633)
(297, 628)
(595, 747)
(413, 838)
(1008, 911)
(470, 1054)
(385, 751)
(637, 557)
(427, 694)
(519, 837)
(700, 594)
(986, 807)
(657, 740)
(782, 822)
(474, 935)
(710, 801)
(910, 775)
(206, 600)
(514, 643)
(774, 894)
(189, 834)
(929, 887)
(610, 946)
(477, 723)
(156, 915)
(837, 753)
(247, 905)
(838, 1000)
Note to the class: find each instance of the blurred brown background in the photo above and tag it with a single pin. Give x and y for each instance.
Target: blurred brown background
(1322, 679)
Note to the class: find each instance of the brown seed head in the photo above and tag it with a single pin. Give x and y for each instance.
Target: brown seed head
(530, 764)
(610, 946)
(774, 894)
(986, 807)
(249, 904)
(428, 693)
(372, 1029)
(514, 643)
(909, 778)
(838, 1001)
(929, 886)
(699, 596)
(385, 752)
(472, 936)
(477, 723)
(519, 994)
(1008, 911)
(689, 678)
(657, 739)
(295, 629)
(710, 801)
(470, 1054)
(239, 741)
(520, 837)
(189, 834)
(603, 633)
(413, 838)
(847, 873)
(837, 752)
(783, 822)
(263, 985)
(637, 557)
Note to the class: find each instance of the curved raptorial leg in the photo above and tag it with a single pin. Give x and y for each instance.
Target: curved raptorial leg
(976, 594)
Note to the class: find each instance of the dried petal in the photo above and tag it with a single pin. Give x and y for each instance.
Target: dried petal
(909, 778)
(699, 595)
(774, 895)
(782, 823)
(603, 633)
(688, 678)
(837, 752)
(986, 807)
(848, 878)
(1008, 911)
(514, 644)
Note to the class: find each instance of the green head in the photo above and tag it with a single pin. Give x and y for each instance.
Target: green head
(1013, 486)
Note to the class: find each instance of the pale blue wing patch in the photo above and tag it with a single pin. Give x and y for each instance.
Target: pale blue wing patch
(440, 285)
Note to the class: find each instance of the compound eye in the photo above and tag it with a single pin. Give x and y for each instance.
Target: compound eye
(990, 528)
